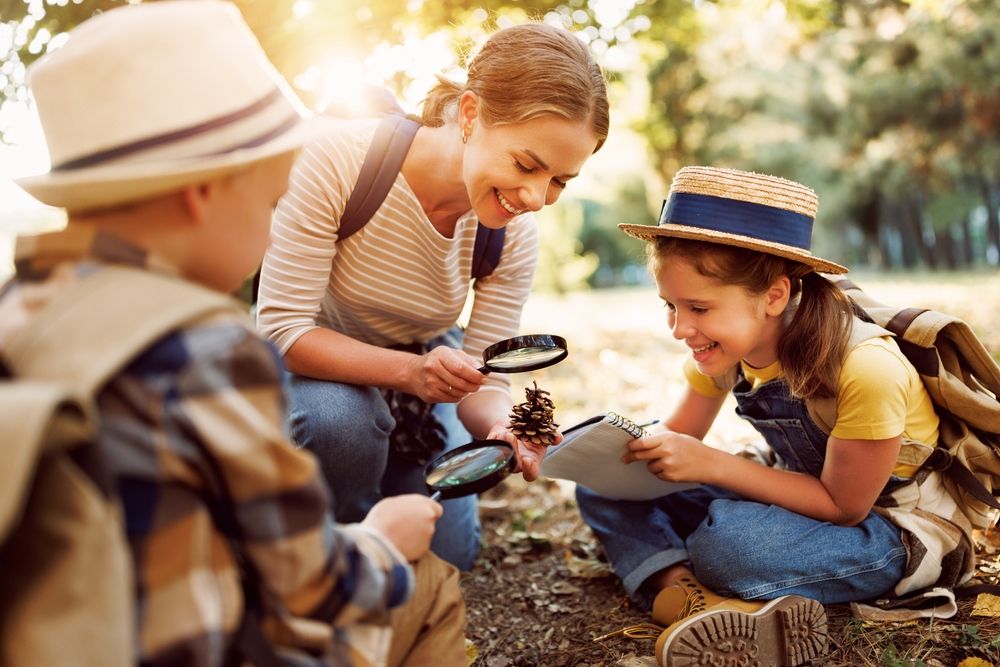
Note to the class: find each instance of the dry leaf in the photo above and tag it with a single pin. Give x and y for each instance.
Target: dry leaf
(974, 662)
(987, 604)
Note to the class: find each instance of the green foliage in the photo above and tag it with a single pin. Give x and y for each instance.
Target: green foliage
(620, 257)
(890, 109)
(562, 267)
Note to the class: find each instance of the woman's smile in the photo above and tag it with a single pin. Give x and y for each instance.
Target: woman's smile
(506, 205)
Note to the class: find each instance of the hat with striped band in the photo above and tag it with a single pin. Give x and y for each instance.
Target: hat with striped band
(739, 208)
(145, 99)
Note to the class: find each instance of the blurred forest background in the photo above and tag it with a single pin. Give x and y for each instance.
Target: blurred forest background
(890, 109)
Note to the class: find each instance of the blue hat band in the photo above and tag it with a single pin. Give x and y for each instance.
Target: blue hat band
(758, 221)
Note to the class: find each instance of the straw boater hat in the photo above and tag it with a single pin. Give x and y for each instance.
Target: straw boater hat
(739, 208)
(145, 99)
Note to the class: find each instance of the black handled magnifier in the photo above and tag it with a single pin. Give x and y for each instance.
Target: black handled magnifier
(524, 353)
(469, 469)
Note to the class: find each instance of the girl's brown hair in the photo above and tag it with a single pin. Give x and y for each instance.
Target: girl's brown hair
(526, 71)
(812, 347)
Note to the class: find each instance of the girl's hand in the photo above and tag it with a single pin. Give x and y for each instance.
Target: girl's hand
(671, 456)
(443, 375)
(529, 455)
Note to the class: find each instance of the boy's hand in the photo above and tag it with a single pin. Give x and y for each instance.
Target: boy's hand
(407, 521)
(671, 456)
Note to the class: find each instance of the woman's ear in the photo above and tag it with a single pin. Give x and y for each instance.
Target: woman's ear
(468, 110)
(778, 295)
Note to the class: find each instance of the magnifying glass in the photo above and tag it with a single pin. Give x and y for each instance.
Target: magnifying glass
(469, 469)
(524, 353)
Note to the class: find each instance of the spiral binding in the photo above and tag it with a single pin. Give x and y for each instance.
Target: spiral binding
(625, 424)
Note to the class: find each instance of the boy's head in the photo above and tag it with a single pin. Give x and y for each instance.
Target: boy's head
(144, 100)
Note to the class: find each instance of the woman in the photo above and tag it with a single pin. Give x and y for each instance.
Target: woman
(367, 326)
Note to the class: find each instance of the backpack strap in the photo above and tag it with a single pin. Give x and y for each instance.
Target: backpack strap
(381, 166)
(94, 328)
(486, 252)
(386, 154)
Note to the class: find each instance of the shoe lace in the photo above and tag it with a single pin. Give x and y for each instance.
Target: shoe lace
(639, 631)
(695, 601)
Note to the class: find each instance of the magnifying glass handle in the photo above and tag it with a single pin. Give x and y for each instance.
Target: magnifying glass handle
(436, 496)
(484, 370)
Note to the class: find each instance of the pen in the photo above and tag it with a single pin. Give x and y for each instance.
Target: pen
(655, 421)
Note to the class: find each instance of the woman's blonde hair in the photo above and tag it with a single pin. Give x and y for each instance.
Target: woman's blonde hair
(812, 346)
(526, 71)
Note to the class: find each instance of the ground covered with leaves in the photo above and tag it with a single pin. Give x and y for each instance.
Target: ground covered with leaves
(541, 592)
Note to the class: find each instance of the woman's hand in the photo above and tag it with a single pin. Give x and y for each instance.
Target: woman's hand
(529, 455)
(672, 456)
(443, 375)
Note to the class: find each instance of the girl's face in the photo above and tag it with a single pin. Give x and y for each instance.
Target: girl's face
(721, 324)
(511, 169)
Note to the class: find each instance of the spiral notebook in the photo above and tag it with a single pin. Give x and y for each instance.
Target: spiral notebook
(590, 455)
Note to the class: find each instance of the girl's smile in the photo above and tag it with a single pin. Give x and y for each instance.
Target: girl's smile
(721, 324)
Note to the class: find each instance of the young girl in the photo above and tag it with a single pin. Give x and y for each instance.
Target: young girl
(845, 515)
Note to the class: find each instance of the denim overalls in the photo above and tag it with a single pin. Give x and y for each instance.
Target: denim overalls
(743, 548)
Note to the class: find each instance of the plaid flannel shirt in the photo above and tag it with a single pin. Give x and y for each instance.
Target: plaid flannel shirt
(193, 426)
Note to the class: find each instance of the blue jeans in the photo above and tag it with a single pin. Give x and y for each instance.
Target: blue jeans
(347, 427)
(744, 549)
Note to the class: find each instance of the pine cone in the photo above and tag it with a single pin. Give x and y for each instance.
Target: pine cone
(531, 421)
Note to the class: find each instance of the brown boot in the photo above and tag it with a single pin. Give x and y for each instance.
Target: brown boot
(688, 596)
(785, 632)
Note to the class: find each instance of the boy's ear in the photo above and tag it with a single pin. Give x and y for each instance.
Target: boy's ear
(197, 200)
(778, 295)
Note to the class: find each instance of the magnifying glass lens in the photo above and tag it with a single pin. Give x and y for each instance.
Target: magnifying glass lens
(524, 353)
(468, 467)
(523, 356)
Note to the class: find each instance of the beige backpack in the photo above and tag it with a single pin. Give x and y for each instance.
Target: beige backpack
(963, 382)
(66, 595)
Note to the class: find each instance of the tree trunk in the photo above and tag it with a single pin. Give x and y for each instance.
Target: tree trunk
(988, 191)
(911, 219)
(968, 257)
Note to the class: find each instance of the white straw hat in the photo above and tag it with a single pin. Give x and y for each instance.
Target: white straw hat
(740, 208)
(145, 99)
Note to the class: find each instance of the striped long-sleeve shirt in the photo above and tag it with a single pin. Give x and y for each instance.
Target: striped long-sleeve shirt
(202, 410)
(397, 280)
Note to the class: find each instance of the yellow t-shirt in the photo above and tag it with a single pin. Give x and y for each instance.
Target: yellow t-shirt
(880, 396)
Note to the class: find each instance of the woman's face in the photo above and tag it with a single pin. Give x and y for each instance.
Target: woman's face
(511, 169)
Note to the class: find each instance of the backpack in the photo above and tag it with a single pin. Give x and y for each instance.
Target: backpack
(963, 382)
(385, 156)
(66, 591)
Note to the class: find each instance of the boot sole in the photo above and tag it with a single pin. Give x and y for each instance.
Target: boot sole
(786, 632)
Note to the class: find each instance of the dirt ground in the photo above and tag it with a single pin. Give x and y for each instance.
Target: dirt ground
(541, 593)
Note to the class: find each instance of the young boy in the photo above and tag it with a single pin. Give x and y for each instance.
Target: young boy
(171, 138)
